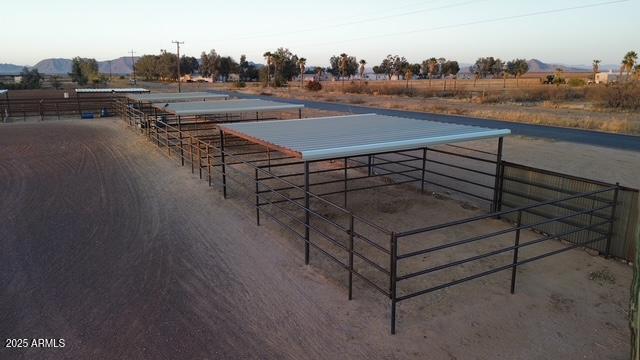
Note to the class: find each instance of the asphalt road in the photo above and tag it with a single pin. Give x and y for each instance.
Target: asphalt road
(616, 141)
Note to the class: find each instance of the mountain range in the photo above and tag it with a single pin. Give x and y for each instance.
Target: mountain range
(122, 65)
(60, 66)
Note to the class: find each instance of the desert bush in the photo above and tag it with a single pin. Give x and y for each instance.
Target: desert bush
(313, 85)
(239, 84)
(575, 82)
(624, 96)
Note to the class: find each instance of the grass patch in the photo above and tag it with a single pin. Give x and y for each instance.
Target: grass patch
(602, 277)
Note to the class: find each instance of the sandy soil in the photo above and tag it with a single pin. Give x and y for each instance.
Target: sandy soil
(111, 246)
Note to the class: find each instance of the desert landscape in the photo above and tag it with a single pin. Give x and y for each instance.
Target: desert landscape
(428, 180)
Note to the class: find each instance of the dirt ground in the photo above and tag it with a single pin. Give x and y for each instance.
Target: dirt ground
(113, 247)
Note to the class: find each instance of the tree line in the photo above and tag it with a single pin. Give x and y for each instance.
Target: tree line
(282, 66)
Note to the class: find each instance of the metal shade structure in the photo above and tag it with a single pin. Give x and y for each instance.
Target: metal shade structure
(176, 97)
(111, 91)
(203, 108)
(353, 135)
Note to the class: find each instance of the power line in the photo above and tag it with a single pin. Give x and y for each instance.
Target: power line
(178, 43)
(484, 21)
(356, 22)
(133, 66)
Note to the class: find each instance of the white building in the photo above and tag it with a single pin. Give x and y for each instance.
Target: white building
(611, 77)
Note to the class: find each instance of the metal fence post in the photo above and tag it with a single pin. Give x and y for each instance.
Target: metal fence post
(496, 185)
(351, 234)
(612, 220)
(393, 280)
(180, 139)
(199, 160)
(424, 168)
(257, 197)
(306, 213)
(224, 170)
(346, 178)
(191, 152)
(515, 252)
(166, 133)
(208, 151)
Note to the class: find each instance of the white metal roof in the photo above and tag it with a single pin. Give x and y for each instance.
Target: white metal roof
(2, 91)
(224, 107)
(175, 97)
(352, 135)
(112, 90)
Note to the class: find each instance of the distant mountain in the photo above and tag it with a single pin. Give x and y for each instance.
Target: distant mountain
(536, 66)
(53, 66)
(121, 65)
(58, 66)
(10, 69)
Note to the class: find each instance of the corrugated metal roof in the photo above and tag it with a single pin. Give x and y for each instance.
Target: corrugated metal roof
(112, 90)
(174, 97)
(224, 107)
(352, 135)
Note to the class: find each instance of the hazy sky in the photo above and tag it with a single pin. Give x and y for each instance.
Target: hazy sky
(457, 29)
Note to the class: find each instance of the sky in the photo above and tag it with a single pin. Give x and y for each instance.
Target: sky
(569, 32)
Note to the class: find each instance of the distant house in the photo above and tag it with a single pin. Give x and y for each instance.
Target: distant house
(9, 79)
(611, 77)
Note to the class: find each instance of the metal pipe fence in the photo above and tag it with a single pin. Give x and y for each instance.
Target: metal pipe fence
(47, 107)
(386, 261)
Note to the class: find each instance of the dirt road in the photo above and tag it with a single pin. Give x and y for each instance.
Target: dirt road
(110, 246)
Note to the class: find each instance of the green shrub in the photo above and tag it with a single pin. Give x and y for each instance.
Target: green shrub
(239, 84)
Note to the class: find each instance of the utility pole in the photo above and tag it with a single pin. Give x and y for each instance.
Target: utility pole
(178, 52)
(110, 73)
(133, 66)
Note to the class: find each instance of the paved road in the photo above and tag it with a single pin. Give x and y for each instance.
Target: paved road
(617, 141)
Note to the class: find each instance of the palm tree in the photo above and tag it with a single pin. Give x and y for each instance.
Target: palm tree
(432, 65)
(628, 62)
(302, 62)
(596, 68)
(408, 75)
(363, 62)
(268, 57)
(319, 71)
(344, 64)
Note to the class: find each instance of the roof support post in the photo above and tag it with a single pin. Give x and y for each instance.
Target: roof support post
(306, 213)
(497, 185)
(424, 168)
(346, 178)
